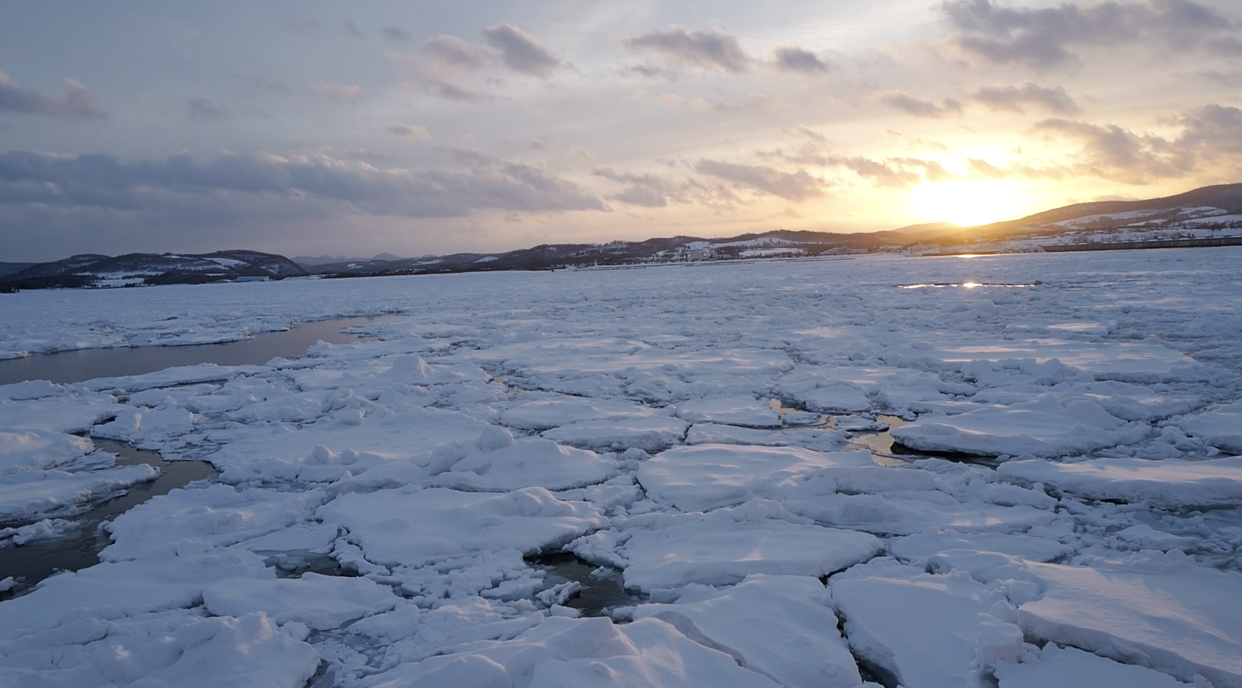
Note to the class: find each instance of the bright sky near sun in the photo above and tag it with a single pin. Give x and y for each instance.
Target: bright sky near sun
(310, 128)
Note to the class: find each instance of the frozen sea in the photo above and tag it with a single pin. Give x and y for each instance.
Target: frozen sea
(1062, 504)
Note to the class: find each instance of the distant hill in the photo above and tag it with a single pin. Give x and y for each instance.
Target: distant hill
(1176, 217)
(1209, 207)
(1210, 215)
(90, 269)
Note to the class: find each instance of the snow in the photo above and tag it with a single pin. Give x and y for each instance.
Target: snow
(873, 600)
(1183, 621)
(698, 434)
(780, 626)
(1168, 484)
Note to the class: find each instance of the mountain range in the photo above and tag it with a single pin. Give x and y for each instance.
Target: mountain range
(1210, 215)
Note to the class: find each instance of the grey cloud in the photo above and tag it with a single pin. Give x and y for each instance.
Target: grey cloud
(655, 191)
(445, 62)
(1213, 123)
(77, 103)
(795, 186)
(919, 107)
(1013, 98)
(895, 173)
(336, 93)
(1111, 152)
(411, 131)
(709, 49)
(451, 51)
(1046, 37)
(795, 59)
(295, 185)
(520, 51)
(982, 169)
(392, 33)
(204, 109)
(352, 29)
(646, 190)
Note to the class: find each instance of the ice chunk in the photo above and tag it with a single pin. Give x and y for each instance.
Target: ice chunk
(175, 648)
(1220, 427)
(32, 494)
(709, 476)
(172, 579)
(1072, 668)
(1182, 620)
(562, 652)
(780, 626)
(917, 549)
(542, 414)
(725, 547)
(320, 602)
(416, 527)
(734, 410)
(528, 463)
(1040, 427)
(926, 631)
(217, 514)
(1168, 484)
(648, 434)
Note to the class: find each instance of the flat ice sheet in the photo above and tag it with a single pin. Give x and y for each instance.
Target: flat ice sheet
(391, 526)
(1168, 484)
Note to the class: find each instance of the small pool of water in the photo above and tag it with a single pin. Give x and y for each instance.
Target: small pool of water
(65, 367)
(32, 562)
(880, 444)
(597, 594)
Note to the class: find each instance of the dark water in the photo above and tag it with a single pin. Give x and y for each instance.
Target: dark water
(31, 563)
(86, 364)
(597, 594)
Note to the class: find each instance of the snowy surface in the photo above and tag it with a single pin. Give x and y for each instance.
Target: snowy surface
(701, 434)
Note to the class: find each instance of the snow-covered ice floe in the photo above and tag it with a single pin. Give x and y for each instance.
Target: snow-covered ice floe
(1063, 505)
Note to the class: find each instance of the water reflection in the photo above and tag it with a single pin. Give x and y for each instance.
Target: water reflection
(86, 364)
(598, 594)
(33, 562)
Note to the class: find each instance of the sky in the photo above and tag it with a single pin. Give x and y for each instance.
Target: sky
(414, 128)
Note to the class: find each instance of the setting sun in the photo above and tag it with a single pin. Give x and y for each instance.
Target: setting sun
(968, 203)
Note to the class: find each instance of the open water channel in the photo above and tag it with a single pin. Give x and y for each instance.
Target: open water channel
(32, 562)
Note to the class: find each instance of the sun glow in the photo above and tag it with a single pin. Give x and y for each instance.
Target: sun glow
(968, 203)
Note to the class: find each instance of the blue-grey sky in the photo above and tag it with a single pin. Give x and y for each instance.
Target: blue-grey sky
(416, 127)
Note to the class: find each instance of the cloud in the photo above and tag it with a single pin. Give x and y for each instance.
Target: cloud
(655, 191)
(445, 64)
(710, 49)
(795, 186)
(411, 131)
(520, 52)
(919, 107)
(1047, 37)
(77, 103)
(351, 29)
(204, 109)
(392, 33)
(895, 173)
(336, 93)
(454, 53)
(1013, 98)
(1118, 154)
(795, 59)
(234, 184)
